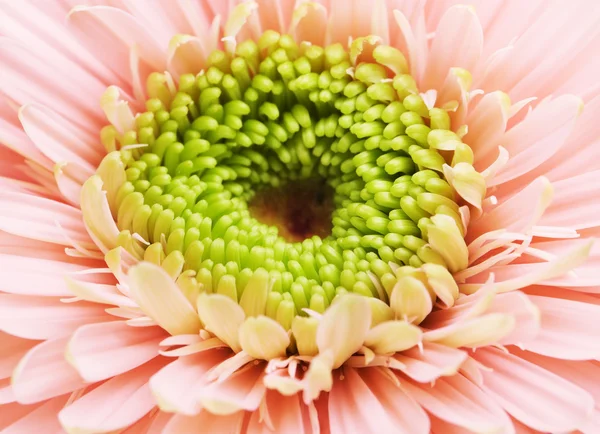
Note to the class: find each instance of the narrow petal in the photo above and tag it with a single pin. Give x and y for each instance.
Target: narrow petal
(534, 396)
(46, 317)
(344, 327)
(263, 338)
(432, 362)
(101, 351)
(38, 419)
(568, 329)
(222, 317)
(125, 399)
(97, 216)
(244, 390)
(44, 373)
(161, 299)
(392, 337)
(285, 413)
(458, 401)
(473, 333)
(458, 43)
(205, 421)
(178, 385)
(356, 407)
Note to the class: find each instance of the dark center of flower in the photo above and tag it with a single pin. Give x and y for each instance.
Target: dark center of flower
(314, 165)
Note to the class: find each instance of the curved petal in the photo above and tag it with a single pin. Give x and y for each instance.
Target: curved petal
(101, 351)
(431, 362)
(534, 396)
(162, 300)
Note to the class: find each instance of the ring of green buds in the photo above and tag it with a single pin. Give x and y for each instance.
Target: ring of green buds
(178, 179)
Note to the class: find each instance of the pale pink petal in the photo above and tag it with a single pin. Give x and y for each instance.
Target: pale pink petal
(101, 351)
(458, 401)
(31, 276)
(46, 317)
(306, 18)
(58, 139)
(58, 223)
(430, 363)
(572, 206)
(533, 141)
(243, 390)
(44, 373)
(128, 30)
(285, 413)
(534, 396)
(406, 415)
(37, 419)
(458, 43)
(354, 407)
(178, 385)
(568, 329)
(124, 400)
(13, 348)
(205, 421)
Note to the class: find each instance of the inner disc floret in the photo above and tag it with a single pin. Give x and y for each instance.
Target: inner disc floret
(275, 113)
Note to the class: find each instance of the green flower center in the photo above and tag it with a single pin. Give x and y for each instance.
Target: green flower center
(340, 155)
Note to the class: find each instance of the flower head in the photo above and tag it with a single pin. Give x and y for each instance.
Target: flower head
(298, 216)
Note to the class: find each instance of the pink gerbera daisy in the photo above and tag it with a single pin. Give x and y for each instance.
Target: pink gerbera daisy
(299, 216)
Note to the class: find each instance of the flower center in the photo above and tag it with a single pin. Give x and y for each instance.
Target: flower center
(246, 160)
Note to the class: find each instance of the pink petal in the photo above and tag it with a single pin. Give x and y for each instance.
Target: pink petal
(32, 276)
(401, 409)
(354, 407)
(11, 413)
(38, 419)
(58, 139)
(568, 329)
(458, 401)
(42, 219)
(533, 395)
(285, 414)
(430, 363)
(46, 317)
(307, 17)
(205, 421)
(518, 213)
(178, 385)
(531, 142)
(13, 348)
(458, 42)
(243, 390)
(572, 206)
(44, 373)
(101, 351)
(125, 399)
(128, 30)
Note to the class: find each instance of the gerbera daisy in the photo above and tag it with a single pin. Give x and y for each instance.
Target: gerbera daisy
(295, 216)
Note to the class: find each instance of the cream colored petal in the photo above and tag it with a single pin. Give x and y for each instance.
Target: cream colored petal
(160, 298)
(468, 183)
(380, 311)
(254, 297)
(358, 45)
(305, 334)
(445, 238)
(344, 327)
(263, 338)
(392, 337)
(318, 378)
(222, 317)
(185, 55)
(97, 216)
(285, 385)
(473, 333)
(117, 110)
(112, 172)
(410, 300)
(442, 283)
(237, 19)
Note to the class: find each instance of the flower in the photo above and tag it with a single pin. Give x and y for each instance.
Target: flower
(457, 290)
